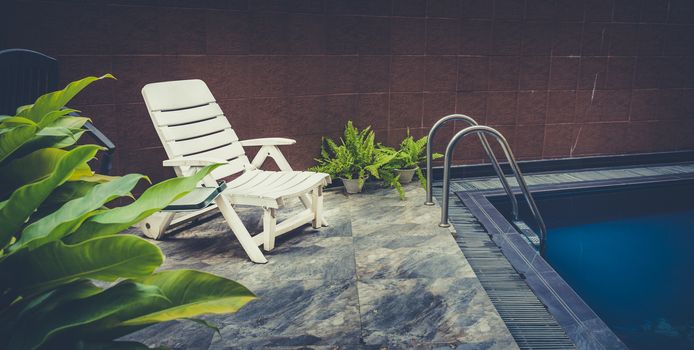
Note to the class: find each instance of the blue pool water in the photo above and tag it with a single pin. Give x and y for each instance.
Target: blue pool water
(636, 273)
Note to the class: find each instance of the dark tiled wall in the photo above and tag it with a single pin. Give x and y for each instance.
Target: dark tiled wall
(559, 78)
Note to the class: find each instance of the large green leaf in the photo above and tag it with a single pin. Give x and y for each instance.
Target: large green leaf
(25, 310)
(11, 139)
(30, 272)
(66, 219)
(56, 100)
(123, 297)
(54, 116)
(23, 201)
(48, 301)
(73, 189)
(193, 293)
(33, 167)
(8, 121)
(53, 136)
(152, 200)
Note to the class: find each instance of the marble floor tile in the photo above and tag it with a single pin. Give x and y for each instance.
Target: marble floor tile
(294, 313)
(397, 256)
(455, 310)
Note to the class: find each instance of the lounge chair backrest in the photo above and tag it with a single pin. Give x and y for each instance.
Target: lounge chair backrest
(190, 123)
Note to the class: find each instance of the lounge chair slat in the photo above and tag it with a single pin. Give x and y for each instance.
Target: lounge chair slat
(187, 131)
(188, 115)
(208, 143)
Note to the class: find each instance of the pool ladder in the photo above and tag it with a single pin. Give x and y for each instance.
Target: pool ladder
(482, 131)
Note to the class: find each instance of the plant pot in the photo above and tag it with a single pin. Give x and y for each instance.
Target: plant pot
(406, 175)
(352, 185)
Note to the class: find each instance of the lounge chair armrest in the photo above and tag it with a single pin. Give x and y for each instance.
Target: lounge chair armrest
(270, 141)
(194, 162)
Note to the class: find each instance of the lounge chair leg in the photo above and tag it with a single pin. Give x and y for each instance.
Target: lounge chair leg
(269, 228)
(240, 230)
(317, 206)
(155, 225)
(309, 205)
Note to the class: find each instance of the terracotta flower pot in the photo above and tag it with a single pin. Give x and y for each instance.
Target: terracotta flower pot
(406, 175)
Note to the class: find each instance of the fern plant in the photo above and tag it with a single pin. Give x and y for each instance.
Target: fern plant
(355, 157)
(411, 155)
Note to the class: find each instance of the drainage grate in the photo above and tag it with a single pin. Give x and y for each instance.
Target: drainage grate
(525, 316)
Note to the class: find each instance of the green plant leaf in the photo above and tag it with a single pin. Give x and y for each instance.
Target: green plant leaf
(193, 293)
(126, 297)
(56, 100)
(34, 167)
(8, 121)
(66, 219)
(11, 139)
(152, 200)
(54, 116)
(70, 190)
(23, 201)
(30, 272)
(48, 301)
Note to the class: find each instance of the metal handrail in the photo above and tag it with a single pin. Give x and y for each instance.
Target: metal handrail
(487, 149)
(478, 129)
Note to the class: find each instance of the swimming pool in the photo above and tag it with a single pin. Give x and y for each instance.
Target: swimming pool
(624, 251)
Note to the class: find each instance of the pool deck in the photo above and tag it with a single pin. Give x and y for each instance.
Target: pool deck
(381, 276)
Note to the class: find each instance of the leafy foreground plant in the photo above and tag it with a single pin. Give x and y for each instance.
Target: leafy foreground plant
(354, 158)
(57, 237)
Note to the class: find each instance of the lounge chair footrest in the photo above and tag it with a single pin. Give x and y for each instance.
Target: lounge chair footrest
(198, 198)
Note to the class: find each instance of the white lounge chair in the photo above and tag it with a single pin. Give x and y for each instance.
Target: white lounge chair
(195, 133)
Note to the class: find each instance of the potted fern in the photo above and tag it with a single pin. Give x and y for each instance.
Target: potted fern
(353, 159)
(409, 157)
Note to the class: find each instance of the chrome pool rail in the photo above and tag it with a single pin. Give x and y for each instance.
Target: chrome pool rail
(480, 130)
(487, 149)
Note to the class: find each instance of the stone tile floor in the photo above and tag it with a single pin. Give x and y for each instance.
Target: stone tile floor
(381, 276)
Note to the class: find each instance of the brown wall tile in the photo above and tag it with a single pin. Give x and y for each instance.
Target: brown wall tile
(529, 141)
(441, 73)
(593, 73)
(566, 39)
(561, 107)
(563, 73)
(472, 104)
(407, 74)
(502, 108)
(473, 73)
(374, 74)
(476, 8)
(442, 36)
(436, 105)
(407, 36)
(537, 38)
(475, 37)
(443, 8)
(227, 33)
(534, 73)
(506, 38)
(342, 37)
(405, 110)
(532, 107)
(374, 35)
(503, 73)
